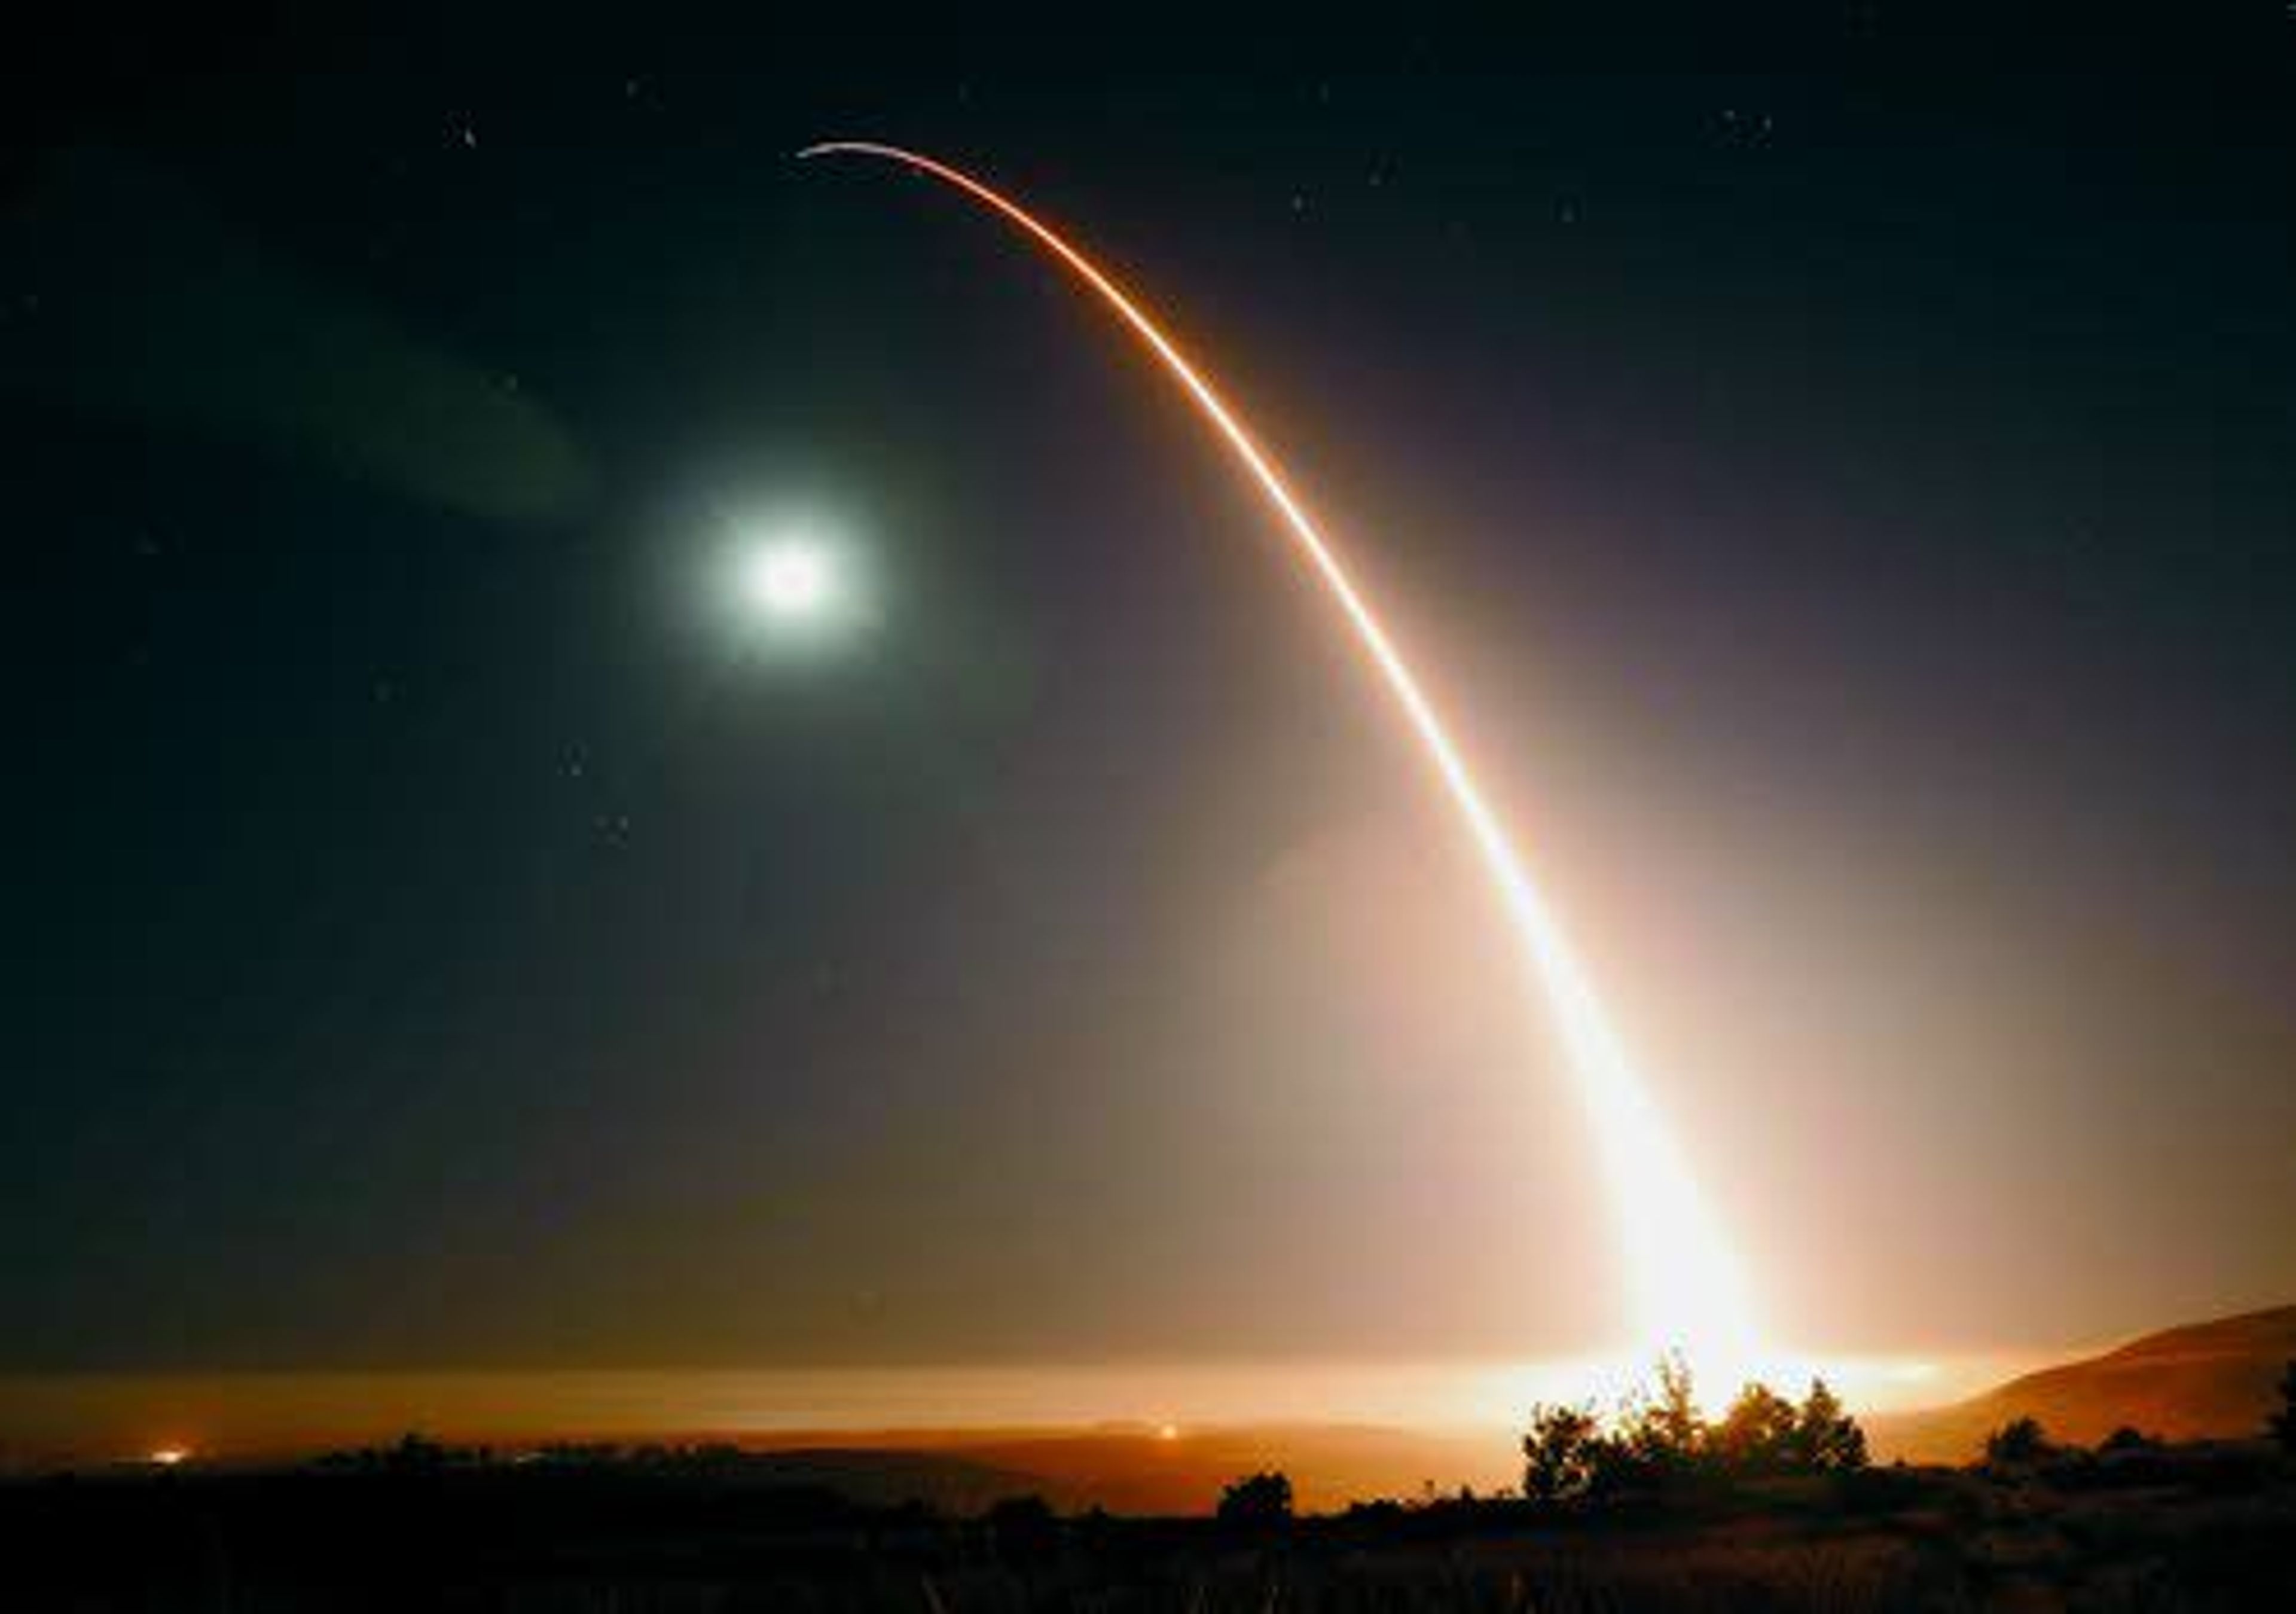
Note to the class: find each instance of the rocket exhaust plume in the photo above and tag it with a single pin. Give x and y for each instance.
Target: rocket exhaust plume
(1686, 1288)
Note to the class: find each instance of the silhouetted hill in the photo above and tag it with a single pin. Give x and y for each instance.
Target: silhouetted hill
(2203, 1381)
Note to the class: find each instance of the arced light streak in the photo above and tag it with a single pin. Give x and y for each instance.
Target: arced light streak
(1687, 1290)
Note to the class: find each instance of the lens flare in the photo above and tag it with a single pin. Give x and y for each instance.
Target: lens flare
(1686, 1288)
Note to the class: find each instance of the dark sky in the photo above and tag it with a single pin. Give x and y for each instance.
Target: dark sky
(1852, 513)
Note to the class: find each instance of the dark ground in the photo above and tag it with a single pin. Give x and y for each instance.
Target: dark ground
(2194, 1528)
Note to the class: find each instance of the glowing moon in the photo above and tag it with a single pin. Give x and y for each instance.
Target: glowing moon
(793, 586)
(790, 578)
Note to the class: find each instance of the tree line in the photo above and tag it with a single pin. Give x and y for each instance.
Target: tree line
(1662, 1438)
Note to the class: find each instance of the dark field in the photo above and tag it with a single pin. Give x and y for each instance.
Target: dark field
(2192, 1527)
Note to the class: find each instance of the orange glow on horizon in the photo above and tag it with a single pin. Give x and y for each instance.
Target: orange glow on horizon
(100, 1417)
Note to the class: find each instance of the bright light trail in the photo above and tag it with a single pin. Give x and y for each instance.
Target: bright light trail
(1687, 1290)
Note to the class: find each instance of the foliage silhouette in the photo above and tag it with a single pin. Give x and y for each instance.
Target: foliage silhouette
(1664, 1434)
(1661, 1440)
(1761, 1434)
(1559, 1453)
(2020, 1443)
(1827, 1439)
(1258, 1499)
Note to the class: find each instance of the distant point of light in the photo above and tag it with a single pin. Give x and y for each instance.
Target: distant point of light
(1688, 1294)
(167, 1456)
(1168, 1431)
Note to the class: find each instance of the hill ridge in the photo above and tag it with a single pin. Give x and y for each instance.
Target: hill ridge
(2212, 1380)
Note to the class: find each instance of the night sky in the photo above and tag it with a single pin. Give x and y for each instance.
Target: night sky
(1853, 516)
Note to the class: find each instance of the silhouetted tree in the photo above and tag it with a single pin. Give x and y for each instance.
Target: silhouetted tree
(2283, 1422)
(1827, 1439)
(415, 1454)
(1560, 1453)
(1024, 1510)
(1259, 1499)
(1761, 1434)
(1664, 1435)
(2019, 1442)
(2128, 1438)
(1661, 1439)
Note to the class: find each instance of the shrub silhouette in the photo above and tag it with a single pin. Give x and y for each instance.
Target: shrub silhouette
(1258, 1499)
(1027, 1509)
(1827, 1439)
(2283, 1422)
(1560, 1453)
(1664, 1435)
(1761, 1434)
(1660, 1440)
(2020, 1443)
